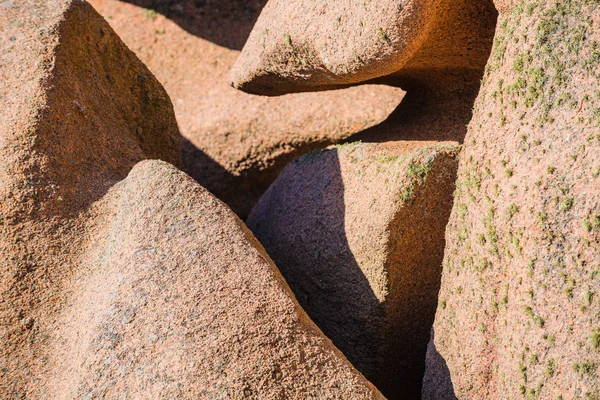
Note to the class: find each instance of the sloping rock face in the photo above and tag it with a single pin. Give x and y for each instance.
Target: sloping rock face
(120, 282)
(358, 233)
(306, 46)
(79, 111)
(518, 313)
(177, 299)
(234, 144)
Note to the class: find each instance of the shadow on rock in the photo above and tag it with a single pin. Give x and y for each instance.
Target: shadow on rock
(241, 141)
(213, 176)
(224, 22)
(359, 237)
(425, 115)
(305, 235)
(239, 192)
(437, 383)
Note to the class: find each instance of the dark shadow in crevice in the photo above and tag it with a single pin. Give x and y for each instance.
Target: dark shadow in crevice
(239, 192)
(415, 253)
(437, 383)
(301, 223)
(227, 187)
(226, 23)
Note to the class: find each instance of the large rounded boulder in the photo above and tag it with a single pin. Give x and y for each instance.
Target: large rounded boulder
(519, 314)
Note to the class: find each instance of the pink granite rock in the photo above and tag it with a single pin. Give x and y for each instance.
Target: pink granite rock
(299, 45)
(358, 233)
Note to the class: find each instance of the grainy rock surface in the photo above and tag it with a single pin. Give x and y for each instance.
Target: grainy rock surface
(79, 110)
(518, 312)
(120, 281)
(177, 299)
(358, 233)
(299, 45)
(425, 115)
(235, 144)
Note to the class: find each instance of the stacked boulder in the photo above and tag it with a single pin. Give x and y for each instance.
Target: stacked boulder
(435, 50)
(358, 230)
(299, 46)
(123, 278)
(517, 313)
(234, 144)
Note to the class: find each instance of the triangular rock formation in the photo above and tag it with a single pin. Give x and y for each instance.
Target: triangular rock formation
(128, 283)
(80, 111)
(177, 299)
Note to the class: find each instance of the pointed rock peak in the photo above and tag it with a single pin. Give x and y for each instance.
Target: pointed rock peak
(82, 109)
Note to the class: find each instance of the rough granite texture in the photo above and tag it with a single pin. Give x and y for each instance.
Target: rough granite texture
(177, 299)
(120, 282)
(358, 233)
(79, 111)
(519, 310)
(234, 144)
(309, 45)
(425, 115)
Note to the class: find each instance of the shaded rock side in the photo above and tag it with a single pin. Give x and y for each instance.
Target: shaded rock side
(358, 233)
(425, 115)
(519, 313)
(177, 299)
(299, 46)
(79, 110)
(234, 144)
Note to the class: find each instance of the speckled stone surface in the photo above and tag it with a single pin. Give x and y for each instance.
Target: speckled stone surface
(519, 314)
(234, 144)
(177, 299)
(301, 45)
(122, 279)
(358, 233)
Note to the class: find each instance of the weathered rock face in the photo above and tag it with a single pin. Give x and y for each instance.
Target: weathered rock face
(177, 299)
(234, 144)
(358, 233)
(79, 111)
(305, 46)
(518, 311)
(120, 282)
